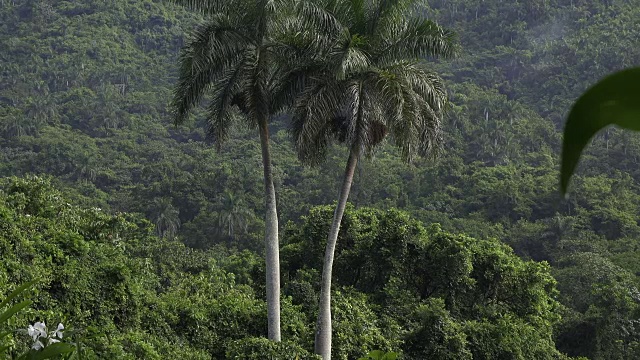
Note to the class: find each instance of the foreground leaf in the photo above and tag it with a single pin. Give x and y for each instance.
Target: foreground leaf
(615, 100)
(49, 352)
(17, 292)
(13, 310)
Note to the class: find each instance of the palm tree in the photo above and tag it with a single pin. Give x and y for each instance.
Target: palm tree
(233, 216)
(233, 58)
(86, 169)
(371, 83)
(16, 124)
(41, 109)
(166, 217)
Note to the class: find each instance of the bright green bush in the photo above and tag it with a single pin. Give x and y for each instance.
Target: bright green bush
(264, 349)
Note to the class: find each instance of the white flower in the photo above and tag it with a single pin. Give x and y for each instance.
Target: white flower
(41, 327)
(35, 334)
(38, 333)
(32, 332)
(37, 330)
(37, 345)
(58, 332)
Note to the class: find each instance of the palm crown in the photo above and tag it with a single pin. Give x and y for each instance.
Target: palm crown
(223, 59)
(372, 82)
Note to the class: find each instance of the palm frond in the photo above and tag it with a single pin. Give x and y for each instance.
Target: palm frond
(415, 38)
(371, 123)
(321, 15)
(354, 61)
(354, 109)
(260, 21)
(386, 12)
(213, 47)
(414, 100)
(285, 85)
(428, 85)
(205, 6)
(359, 16)
(314, 119)
(292, 62)
(292, 39)
(239, 9)
(371, 83)
(220, 111)
(426, 121)
(254, 85)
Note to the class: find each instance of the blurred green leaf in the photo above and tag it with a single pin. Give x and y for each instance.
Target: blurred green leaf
(390, 356)
(14, 309)
(615, 100)
(17, 292)
(49, 352)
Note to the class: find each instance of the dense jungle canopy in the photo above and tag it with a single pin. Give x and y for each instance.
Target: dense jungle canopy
(148, 240)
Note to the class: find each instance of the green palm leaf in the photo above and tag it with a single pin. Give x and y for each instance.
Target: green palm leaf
(215, 47)
(615, 100)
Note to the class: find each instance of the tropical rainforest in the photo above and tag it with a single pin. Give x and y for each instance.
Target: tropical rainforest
(146, 239)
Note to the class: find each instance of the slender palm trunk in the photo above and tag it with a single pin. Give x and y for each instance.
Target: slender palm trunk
(323, 330)
(272, 253)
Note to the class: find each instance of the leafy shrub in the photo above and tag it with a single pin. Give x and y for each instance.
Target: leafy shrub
(259, 348)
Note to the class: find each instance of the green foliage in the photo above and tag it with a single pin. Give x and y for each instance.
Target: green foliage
(48, 350)
(357, 327)
(380, 355)
(53, 351)
(8, 313)
(612, 101)
(424, 279)
(129, 279)
(262, 348)
(83, 95)
(605, 301)
(438, 336)
(510, 338)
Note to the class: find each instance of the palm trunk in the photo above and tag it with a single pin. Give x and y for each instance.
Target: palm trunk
(323, 331)
(272, 251)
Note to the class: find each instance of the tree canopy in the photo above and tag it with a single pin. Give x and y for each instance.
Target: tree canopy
(84, 89)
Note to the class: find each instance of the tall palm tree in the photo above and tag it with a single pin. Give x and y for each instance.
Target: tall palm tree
(371, 84)
(166, 217)
(86, 168)
(233, 57)
(16, 124)
(233, 216)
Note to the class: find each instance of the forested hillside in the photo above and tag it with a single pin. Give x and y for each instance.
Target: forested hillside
(84, 94)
